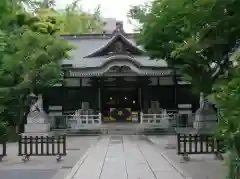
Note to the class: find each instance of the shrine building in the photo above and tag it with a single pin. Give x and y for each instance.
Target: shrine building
(115, 76)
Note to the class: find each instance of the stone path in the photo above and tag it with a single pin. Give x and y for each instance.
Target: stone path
(124, 157)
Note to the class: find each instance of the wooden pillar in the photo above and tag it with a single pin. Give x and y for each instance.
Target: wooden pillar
(64, 91)
(140, 97)
(145, 96)
(145, 100)
(99, 99)
(175, 88)
(64, 96)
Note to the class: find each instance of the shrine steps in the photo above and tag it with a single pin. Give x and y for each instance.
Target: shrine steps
(116, 129)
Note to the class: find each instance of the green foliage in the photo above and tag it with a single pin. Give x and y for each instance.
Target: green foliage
(3, 126)
(73, 19)
(31, 50)
(234, 166)
(227, 95)
(30, 59)
(195, 35)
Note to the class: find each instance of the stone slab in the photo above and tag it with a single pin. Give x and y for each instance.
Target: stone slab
(34, 127)
(92, 166)
(128, 158)
(114, 165)
(44, 134)
(137, 166)
(168, 174)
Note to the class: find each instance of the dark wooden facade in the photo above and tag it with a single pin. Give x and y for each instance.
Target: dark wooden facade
(70, 98)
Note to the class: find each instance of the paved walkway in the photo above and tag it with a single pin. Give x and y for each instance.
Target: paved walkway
(41, 167)
(123, 157)
(201, 166)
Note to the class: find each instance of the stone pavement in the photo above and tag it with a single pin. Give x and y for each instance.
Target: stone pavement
(199, 167)
(125, 157)
(44, 167)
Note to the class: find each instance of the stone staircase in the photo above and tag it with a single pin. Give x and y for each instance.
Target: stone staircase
(121, 129)
(116, 129)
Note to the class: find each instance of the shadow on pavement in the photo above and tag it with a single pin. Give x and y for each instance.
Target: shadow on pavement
(27, 174)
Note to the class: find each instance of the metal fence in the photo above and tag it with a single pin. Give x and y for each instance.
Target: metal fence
(197, 144)
(42, 146)
(3, 146)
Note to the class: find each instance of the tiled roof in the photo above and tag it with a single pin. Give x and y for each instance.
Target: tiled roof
(89, 43)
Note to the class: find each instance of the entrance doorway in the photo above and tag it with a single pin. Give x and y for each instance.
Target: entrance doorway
(119, 104)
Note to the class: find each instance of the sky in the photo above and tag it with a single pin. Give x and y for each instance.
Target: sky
(109, 8)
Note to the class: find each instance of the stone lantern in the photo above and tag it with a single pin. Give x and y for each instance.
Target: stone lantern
(206, 119)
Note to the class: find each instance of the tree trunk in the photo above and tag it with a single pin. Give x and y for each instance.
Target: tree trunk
(237, 144)
(21, 115)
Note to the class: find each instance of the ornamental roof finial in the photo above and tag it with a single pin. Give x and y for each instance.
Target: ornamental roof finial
(119, 28)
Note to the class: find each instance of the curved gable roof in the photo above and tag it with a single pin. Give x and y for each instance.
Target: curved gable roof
(118, 37)
(121, 58)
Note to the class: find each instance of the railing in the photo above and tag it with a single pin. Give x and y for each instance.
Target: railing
(197, 144)
(170, 122)
(3, 147)
(85, 121)
(173, 122)
(42, 146)
(159, 120)
(77, 122)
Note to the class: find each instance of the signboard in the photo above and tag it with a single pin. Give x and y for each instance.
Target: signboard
(134, 116)
(120, 114)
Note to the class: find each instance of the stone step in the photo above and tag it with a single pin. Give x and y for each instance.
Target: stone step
(120, 130)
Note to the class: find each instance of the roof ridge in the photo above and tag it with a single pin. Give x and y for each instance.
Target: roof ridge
(93, 36)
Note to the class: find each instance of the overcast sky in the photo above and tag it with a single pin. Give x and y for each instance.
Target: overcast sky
(109, 8)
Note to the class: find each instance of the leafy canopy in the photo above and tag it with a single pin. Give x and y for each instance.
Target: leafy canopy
(194, 35)
(30, 57)
(198, 37)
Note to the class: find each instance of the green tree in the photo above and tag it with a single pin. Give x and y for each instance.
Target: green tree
(27, 62)
(196, 36)
(226, 93)
(74, 20)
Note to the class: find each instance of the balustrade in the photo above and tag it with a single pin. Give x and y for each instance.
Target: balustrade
(155, 120)
(77, 121)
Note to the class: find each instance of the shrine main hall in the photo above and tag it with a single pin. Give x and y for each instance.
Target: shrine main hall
(114, 76)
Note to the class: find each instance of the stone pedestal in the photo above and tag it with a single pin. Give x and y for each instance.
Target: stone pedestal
(38, 124)
(42, 128)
